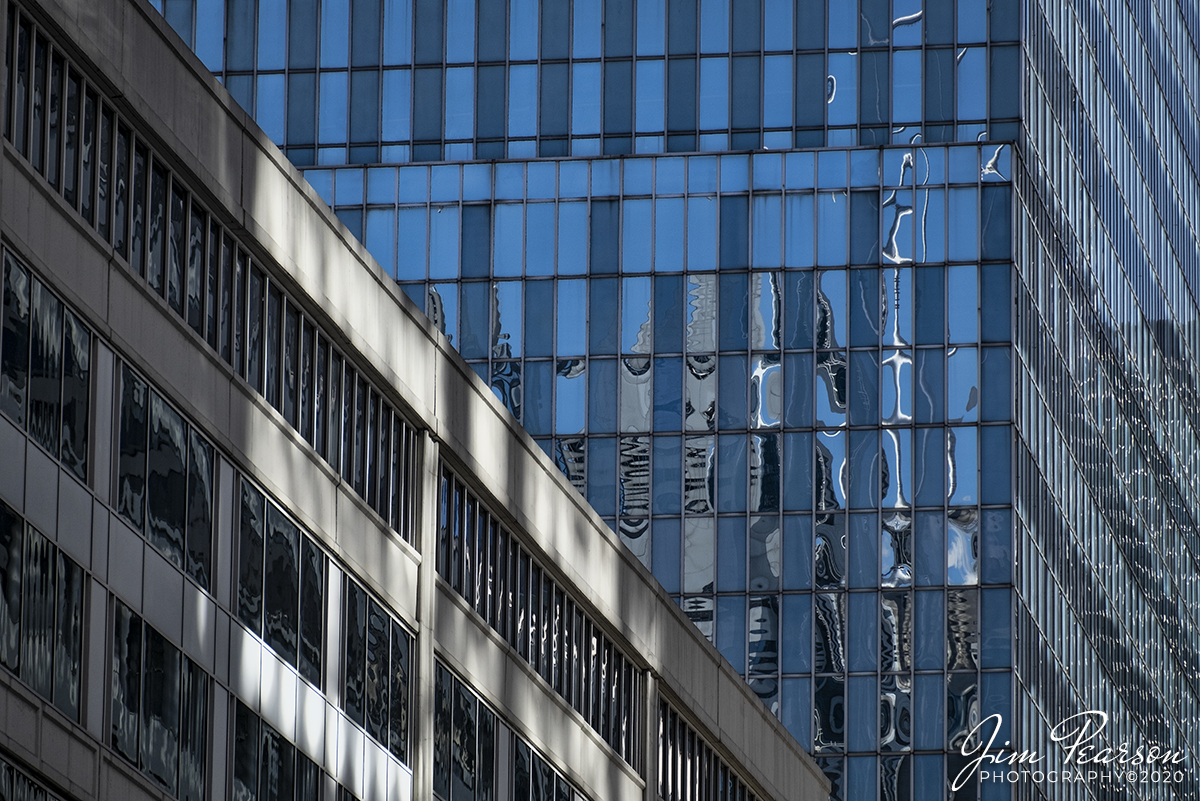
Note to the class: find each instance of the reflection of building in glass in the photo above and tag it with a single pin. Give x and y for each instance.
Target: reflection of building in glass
(263, 535)
(915, 402)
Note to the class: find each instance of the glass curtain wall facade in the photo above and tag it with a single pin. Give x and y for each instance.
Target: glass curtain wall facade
(796, 383)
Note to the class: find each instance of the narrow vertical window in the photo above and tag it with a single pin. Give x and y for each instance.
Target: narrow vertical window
(281, 586)
(126, 680)
(193, 730)
(54, 121)
(120, 238)
(377, 678)
(442, 735)
(45, 367)
(274, 323)
(306, 382)
(199, 508)
(382, 459)
(137, 237)
(462, 760)
(166, 482)
(245, 753)
(87, 168)
(398, 715)
(250, 557)
(212, 299)
(77, 350)
(370, 491)
(195, 269)
(354, 699)
(160, 711)
(334, 437)
(349, 382)
(360, 434)
(37, 120)
(239, 313)
(176, 248)
(157, 236)
(71, 140)
(291, 358)
(103, 173)
(321, 396)
(37, 613)
(225, 312)
(20, 99)
(254, 334)
(312, 610)
(131, 464)
(14, 341)
(12, 531)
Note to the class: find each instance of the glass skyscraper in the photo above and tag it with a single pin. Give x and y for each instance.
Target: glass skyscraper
(869, 326)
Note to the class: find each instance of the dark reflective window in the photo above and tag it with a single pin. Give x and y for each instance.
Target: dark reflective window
(12, 530)
(226, 315)
(356, 656)
(126, 681)
(68, 636)
(37, 613)
(199, 508)
(166, 483)
(212, 303)
(442, 717)
(54, 119)
(157, 236)
(104, 170)
(398, 715)
(291, 363)
(239, 313)
(274, 321)
(45, 367)
(87, 169)
(121, 193)
(462, 758)
(276, 774)
(377, 681)
(195, 270)
(14, 341)
(312, 610)
(245, 754)
(250, 557)
(194, 734)
(71, 139)
(131, 465)
(20, 103)
(160, 710)
(281, 591)
(137, 238)
(254, 335)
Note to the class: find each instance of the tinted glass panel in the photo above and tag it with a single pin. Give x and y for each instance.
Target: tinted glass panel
(157, 237)
(195, 269)
(68, 636)
(12, 530)
(398, 715)
(45, 367)
(250, 557)
(77, 345)
(194, 733)
(14, 341)
(167, 481)
(126, 680)
(377, 678)
(281, 592)
(160, 710)
(356, 656)
(199, 508)
(131, 465)
(37, 613)
(312, 610)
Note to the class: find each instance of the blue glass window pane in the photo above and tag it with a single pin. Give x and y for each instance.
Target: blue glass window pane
(585, 99)
(714, 93)
(381, 185)
(797, 472)
(962, 461)
(714, 26)
(460, 102)
(906, 86)
(269, 114)
(731, 478)
(572, 232)
(668, 233)
(777, 33)
(964, 218)
(335, 33)
(460, 32)
(995, 461)
(272, 30)
(510, 181)
(797, 712)
(586, 28)
(602, 412)
(572, 326)
(507, 326)
(604, 314)
(962, 294)
(539, 238)
(862, 712)
(832, 220)
(397, 33)
(702, 233)
(348, 189)
(667, 487)
(929, 694)
(863, 556)
(777, 85)
(571, 396)
(665, 554)
(843, 25)
(972, 20)
(443, 242)
(412, 237)
(601, 473)
(972, 83)
(510, 233)
(731, 406)
(332, 114)
(651, 27)
(731, 631)
(636, 233)
(798, 230)
(864, 469)
(734, 310)
(210, 33)
(797, 557)
(731, 554)
(441, 306)
(381, 238)
(539, 383)
(930, 472)
(522, 30)
(842, 85)
(650, 101)
(476, 302)
(668, 314)
(962, 385)
(522, 95)
(797, 623)
(637, 332)
(413, 184)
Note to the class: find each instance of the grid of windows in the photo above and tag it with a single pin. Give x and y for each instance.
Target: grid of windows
(377, 670)
(159, 714)
(41, 613)
(122, 187)
(45, 358)
(478, 757)
(486, 564)
(165, 477)
(266, 767)
(281, 583)
(426, 80)
(688, 768)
